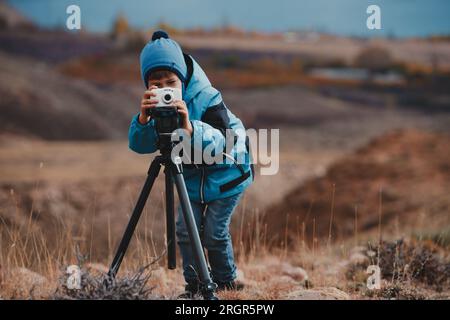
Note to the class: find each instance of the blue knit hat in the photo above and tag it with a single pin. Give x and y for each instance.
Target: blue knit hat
(162, 53)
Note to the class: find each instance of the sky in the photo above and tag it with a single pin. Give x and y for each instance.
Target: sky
(401, 18)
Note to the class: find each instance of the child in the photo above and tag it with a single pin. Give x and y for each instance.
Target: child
(214, 189)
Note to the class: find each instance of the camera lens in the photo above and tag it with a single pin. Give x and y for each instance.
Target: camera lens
(167, 98)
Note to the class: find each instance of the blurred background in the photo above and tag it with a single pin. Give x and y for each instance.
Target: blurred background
(364, 119)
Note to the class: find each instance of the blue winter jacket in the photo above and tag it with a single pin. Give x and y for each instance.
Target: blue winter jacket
(210, 118)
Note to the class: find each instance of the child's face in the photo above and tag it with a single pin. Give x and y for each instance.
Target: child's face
(169, 80)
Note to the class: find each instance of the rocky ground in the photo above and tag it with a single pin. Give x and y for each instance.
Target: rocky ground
(410, 269)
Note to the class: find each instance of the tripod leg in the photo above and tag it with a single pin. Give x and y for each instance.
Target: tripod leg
(153, 172)
(197, 249)
(170, 222)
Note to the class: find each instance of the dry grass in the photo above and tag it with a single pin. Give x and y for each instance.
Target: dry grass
(411, 270)
(37, 248)
(33, 267)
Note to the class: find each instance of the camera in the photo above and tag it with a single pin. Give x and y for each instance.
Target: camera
(166, 96)
(165, 114)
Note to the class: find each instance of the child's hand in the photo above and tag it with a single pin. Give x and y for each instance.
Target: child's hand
(184, 113)
(146, 104)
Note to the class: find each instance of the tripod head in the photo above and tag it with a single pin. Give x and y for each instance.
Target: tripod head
(167, 120)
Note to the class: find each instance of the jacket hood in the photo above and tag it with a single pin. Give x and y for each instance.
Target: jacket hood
(198, 82)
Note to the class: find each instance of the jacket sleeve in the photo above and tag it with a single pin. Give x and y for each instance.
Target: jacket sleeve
(219, 129)
(142, 138)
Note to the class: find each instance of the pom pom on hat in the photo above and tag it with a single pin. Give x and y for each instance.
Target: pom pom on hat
(159, 34)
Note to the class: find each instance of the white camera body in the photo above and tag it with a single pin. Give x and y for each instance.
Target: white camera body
(166, 96)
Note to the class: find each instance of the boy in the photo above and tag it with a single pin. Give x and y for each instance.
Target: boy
(214, 189)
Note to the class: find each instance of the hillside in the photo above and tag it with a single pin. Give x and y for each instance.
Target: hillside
(401, 178)
(11, 18)
(39, 102)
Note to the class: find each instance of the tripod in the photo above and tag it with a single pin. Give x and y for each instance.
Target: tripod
(173, 174)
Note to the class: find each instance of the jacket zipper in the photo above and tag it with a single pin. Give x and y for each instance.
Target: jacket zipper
(202, 182)
(234, 162)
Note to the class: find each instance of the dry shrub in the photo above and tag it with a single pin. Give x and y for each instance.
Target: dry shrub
(403, 262)
(99, 287)
(397, 291)
(415, 260)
